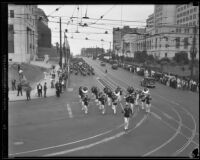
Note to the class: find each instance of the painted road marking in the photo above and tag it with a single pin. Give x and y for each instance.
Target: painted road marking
(18, 143)
(96, 143)
(66, 144)
(157, 116)
(167, 115)
(69, 111)
(169, 140)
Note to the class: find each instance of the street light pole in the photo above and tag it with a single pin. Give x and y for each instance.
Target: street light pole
(60, 45)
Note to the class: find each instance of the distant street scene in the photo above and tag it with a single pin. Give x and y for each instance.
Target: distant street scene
(103, 80)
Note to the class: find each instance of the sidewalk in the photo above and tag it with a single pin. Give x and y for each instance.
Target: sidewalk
(12, 95)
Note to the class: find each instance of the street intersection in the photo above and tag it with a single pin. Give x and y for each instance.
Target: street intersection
(57, 126)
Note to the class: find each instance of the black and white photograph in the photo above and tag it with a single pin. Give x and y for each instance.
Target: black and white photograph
(103, 80)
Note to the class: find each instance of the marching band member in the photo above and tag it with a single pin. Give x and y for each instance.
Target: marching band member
(127, 113)
(85, 103)
(142, 98)
(147, 102)
(103, 101)
(114, 102)
(132, 101)
(145, 90)
(109, 97)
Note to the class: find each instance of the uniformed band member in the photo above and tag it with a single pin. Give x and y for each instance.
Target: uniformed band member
(127, 113)
(114, 102)
(142, 98)
(147, 102)
(132, 101)
(102, 103)
(127, 99)
(85, 103)
(109, 97)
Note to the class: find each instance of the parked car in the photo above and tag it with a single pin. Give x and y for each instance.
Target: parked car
(103, 64)
(148, 82)
(115, 66)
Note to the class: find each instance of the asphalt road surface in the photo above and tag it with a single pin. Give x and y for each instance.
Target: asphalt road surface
(58, 127)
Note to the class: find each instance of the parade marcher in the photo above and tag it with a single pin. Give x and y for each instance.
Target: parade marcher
(127, 113)
(114, 102)
(19, 89)
(145, 90)
(102, 103)
(80, 92)
(85, 103)
(147, 102)
(13, 84)
(45, 89)
(117, 93)
(60, 86)
(109, 97)
(63, 84)
(127, 99)
(142, 98)
(99, 97)
(132, 101)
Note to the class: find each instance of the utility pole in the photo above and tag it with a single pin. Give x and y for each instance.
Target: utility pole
(60, 45)
(193, 50)
(110, 50)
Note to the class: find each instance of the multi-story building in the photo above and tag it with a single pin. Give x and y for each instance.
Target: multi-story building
(150, 22)
(187, 15)
(164, 15)
(118, 34)
(22, 34)
(170, 34)
(44, 32)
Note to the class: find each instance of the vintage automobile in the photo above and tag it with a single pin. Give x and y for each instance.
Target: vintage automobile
(148, 82)
(115, 66)
(103, 64)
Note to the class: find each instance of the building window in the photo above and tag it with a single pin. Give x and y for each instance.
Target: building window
(165, 54)
(194, 16)
(10, 39)
(185, 7)
(195, 9)
(191, 10)
(11, 13)
(187, 18)
(177, 42)
(194, 23)
(186, 43)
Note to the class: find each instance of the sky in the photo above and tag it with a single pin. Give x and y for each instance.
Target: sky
(113, 16)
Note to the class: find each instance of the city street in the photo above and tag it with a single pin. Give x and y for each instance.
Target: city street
(57, 126)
